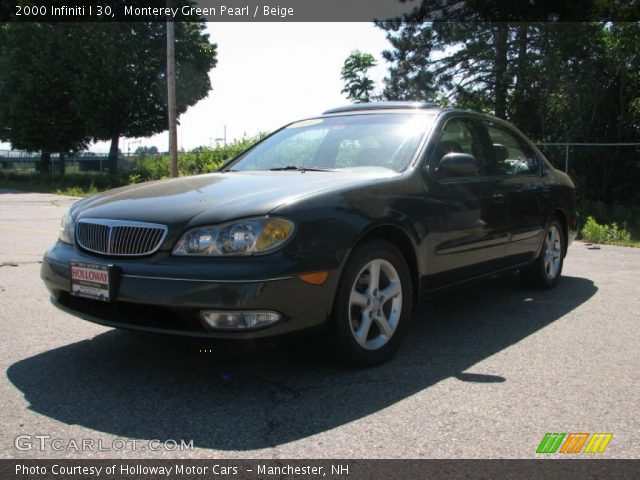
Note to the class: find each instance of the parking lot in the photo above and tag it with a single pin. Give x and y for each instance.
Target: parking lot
(484, 372)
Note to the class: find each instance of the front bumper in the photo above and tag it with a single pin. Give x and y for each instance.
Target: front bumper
(164, 294)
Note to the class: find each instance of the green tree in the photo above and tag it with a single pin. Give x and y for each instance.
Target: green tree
(482, 54)
(64, 84)
(126, 94)
(37, 106)
(357, 85)
(153, 150)
(541, 75)
(466, 64)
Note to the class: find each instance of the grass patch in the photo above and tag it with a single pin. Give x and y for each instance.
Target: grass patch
(611, 234)
(76, 191)
(614, 224)
(74, 184)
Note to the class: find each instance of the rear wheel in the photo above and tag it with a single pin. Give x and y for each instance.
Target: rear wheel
(372, 308)
(545, 272)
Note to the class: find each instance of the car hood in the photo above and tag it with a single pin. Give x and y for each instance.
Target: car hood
(216, 197)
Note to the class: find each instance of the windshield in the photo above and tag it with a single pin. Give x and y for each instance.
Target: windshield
(346, 142)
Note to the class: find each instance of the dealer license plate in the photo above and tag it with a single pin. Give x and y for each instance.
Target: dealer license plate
(90, 281)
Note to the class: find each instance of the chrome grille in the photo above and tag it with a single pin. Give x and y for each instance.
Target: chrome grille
(119, 238)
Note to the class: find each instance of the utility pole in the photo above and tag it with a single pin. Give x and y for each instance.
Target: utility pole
(223, 138)
(171, 95)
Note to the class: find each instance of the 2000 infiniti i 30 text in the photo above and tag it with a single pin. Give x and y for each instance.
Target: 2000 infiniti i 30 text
(341, 220)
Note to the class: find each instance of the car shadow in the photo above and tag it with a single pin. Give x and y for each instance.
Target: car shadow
(232, 396)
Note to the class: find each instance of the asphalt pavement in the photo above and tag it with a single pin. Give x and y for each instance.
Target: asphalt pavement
(484, 373)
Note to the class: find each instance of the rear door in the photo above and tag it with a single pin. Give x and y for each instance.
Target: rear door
(467, 215)
(527, 191)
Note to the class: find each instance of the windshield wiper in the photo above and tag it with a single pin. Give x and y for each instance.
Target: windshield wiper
(302, 169)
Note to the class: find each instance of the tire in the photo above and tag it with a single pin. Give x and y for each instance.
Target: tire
(370, 318)
(546, 271)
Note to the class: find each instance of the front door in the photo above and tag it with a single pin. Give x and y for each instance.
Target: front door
(467, 215)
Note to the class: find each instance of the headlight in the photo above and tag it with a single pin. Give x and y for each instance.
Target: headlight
(67, 229)
(245, 237)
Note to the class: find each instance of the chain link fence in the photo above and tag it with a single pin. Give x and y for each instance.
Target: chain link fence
(85, 162)
(607, 172)
(565, 151)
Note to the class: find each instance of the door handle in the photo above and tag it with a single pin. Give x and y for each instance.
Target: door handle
(498, 197)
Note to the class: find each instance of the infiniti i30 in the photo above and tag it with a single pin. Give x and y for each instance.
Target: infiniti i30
(340, 221)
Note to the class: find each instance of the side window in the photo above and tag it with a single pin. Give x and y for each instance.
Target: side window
(512, 156)
(463, 136)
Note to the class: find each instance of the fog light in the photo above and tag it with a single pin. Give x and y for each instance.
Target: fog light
(239, 320)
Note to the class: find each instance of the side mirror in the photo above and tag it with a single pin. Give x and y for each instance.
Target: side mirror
(458, 165)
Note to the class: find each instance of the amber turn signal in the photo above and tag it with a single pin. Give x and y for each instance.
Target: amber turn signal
(314, 278)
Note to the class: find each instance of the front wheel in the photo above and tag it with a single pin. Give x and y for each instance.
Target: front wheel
(545, 272)
(373, 304)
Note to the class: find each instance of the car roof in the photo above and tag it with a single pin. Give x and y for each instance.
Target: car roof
(362, 107)
(409, 106)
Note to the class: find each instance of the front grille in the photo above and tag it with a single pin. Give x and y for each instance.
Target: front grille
(119, 238)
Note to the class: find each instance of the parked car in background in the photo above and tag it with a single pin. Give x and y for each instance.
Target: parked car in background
(340, 221)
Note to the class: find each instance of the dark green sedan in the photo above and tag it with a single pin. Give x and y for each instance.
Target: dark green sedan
(340, 221)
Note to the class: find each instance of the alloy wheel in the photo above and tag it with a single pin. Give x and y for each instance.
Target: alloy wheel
(375, 304)
(552, 252)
